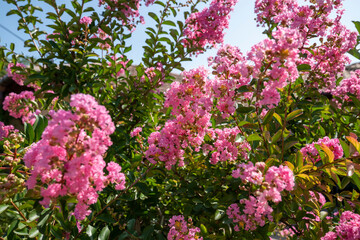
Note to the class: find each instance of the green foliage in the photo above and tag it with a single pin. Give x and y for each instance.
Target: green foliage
(71, 61)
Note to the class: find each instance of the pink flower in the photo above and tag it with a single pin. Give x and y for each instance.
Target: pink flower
(21, 106)
(207, 27)
(136, 132)
(348, 228)
(180, 229)
(68, 160)
(17, 77)
(256, 209)
(6, 130)
(85, 20)
(312, 153)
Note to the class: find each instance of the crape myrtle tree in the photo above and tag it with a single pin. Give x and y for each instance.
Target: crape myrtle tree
(250, 146)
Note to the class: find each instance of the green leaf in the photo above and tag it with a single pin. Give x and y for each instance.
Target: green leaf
(104, 234)
(356, 180)
(268, 116)
(154, 16)
(278, 118)
(254, 137)
(304, 67)
(29, 132)
(299, 160)
(106, 217)
(33, 232)
(219, 214)
(146, 235)
(131, 224)
(203, 229)
(12, 227)
(14, 11)
(354, 100)
(90, 231)
(245, 109)
(3, 208)
(276, 136)
(357, 25)
(355, 53)
(345, 148)
(294, 114)
(44, 217)
(170, 23)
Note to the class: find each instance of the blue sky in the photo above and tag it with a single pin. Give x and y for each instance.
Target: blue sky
(242, 31)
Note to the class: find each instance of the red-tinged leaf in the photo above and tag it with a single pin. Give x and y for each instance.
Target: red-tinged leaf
(328, 152)
(354, 142)
(289, 165)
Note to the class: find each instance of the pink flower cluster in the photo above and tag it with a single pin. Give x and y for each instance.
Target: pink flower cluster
(21, 106)
(207, 27)
(279, 56)
(226, 147)
(68, 160)
(118, 61)
(17, 77)
(254, 210)
(5, 130)
(313, 21)
(231, 72)
(131, 14)
(350, 85)
(347, 229)
(191, 105)
(312, 153)
(85, 20)
(180, 229)
(151, 73)
(103, 36)
(136, 132)
(272, 63)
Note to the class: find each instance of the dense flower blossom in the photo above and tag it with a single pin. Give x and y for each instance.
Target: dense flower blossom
(86, 20)
(350, 85)
(226, 147)
(191, 105)
(68, 161)
(313, 21)
(207, 27)
(253, 211)
(17, 77)
(312, 153)
(281, 54)
(181, 229)
(21, 106)
(231, 72)
(136, 132)
(248, 173)
(347, 229)
(5, 130)
(131, 14)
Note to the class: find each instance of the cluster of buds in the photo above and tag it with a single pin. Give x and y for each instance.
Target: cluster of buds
(13, 173)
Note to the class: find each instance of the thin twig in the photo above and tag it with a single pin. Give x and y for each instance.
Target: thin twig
(17, 209)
